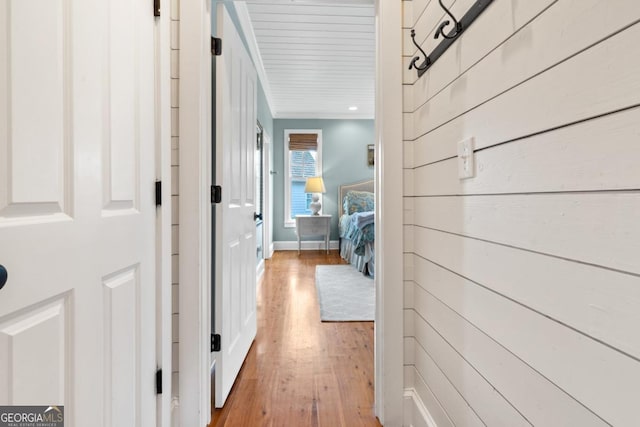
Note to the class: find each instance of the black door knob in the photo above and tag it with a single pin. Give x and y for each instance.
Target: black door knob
(3, 276)
(257, 216)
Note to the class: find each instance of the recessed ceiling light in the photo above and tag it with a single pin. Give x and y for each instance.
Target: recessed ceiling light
(354, 108)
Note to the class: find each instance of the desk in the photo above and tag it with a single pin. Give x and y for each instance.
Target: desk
(313, 225)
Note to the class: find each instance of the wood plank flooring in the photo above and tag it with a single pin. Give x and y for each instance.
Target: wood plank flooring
(300, 371)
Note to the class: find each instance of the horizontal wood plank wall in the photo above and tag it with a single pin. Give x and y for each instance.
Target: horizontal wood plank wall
(175, 171)
(522, 284)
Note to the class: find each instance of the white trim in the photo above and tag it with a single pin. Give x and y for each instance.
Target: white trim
(254, 51)
(272, 249)
(195, 213)
(306, 245)
(267, 181)
(416, 413)
(175, 411)
(291, 222)
(163, 216)
(389, 215)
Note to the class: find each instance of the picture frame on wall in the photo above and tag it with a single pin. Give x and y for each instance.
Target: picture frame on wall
(370, 154)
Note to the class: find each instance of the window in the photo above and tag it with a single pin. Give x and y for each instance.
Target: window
(302, 159)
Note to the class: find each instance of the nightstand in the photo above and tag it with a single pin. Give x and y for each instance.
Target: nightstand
(313, 226)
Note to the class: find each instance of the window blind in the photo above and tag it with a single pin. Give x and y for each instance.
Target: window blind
(303, 142)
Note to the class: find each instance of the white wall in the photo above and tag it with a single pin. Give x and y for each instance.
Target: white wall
(522, 292)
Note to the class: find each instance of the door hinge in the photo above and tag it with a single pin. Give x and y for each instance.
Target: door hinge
(158, 193)
(216, 46)
(159, 381)
(216, 194)
(156, 7)
(215, 342)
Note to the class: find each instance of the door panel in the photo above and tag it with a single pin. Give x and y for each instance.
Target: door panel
(234, 75)
(122, 139)
(235, 270)
(249, 288)
(33, 156)
(22, 362)
(249, 140)
(235, 282)
(122, 334)
(77, 209)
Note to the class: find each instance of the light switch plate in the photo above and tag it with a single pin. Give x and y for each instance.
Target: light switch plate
(466, 159)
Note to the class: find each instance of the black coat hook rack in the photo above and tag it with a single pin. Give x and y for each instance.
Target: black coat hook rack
(458, 28)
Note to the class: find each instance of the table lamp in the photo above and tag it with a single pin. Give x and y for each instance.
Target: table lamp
(315, 185)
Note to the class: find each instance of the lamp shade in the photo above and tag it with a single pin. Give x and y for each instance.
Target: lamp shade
(315, 184)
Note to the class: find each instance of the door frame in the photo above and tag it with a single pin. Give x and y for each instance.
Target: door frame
(389, 277)
(195, 123)
(162, 41)
(260, 265)
(195, 229)
(267, 240)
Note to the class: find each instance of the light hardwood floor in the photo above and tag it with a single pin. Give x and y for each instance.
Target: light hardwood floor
(300, 371)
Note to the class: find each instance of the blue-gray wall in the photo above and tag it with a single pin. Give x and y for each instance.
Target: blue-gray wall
(344, 161)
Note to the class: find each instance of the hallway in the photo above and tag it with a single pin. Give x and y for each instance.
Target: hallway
(299, 371)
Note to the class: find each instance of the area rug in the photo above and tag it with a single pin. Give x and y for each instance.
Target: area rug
(345, 294)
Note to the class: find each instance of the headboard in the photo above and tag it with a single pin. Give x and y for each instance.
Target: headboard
(357, 186)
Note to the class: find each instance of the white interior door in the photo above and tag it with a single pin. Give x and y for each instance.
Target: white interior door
(77, 213)
(235, 281)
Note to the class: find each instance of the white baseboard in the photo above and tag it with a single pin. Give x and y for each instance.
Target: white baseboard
(175, 411)
(416, 413)
(307, 245)
(270, 251)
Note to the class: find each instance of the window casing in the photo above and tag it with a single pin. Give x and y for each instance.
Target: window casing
(300, 164)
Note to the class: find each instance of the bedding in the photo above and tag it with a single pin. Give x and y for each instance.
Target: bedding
(356, 226)
(364, 218)
(359, 230)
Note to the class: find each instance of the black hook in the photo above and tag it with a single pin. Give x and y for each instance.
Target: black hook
(415, 59)
(440, 30)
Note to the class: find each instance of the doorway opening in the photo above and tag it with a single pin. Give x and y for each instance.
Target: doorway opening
(388, 383)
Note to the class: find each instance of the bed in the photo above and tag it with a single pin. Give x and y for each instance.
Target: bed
(356, 225)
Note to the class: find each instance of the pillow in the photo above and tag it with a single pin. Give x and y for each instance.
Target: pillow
(358, 201)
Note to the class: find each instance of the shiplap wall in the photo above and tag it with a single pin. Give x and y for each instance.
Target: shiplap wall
(175, 219)
(522, 284)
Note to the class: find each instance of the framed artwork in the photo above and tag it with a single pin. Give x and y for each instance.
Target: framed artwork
(370, 154)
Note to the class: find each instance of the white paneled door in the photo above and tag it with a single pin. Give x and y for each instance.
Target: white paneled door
(235, 282)
(77, 214)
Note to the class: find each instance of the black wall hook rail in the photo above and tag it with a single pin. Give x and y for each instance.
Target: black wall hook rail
(464, 23)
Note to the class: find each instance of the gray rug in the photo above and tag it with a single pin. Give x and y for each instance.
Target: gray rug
(345, 294)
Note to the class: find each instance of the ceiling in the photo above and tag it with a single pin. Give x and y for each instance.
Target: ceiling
(315, 58)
